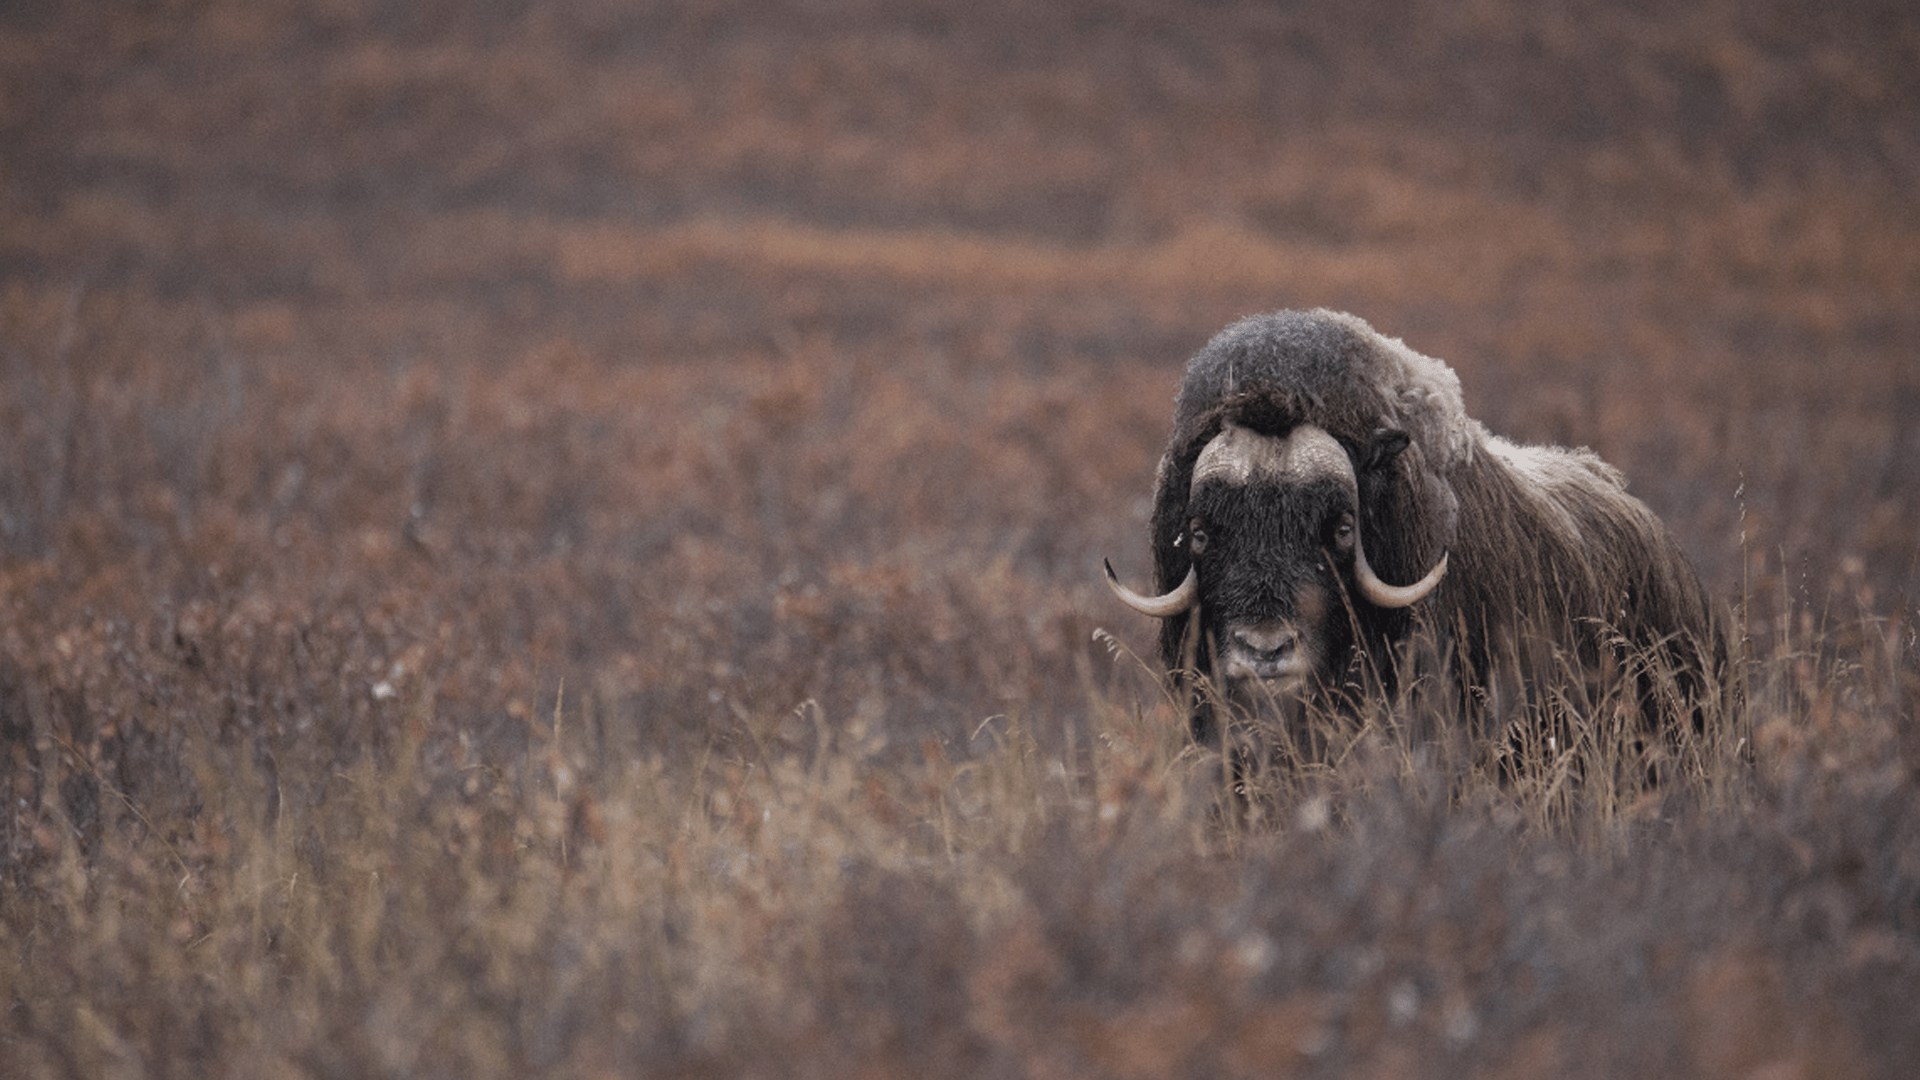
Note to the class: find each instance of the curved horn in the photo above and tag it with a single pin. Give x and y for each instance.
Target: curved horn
(1160, 607)
(1381, 594)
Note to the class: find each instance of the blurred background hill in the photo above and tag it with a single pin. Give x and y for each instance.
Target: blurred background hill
(1683, 237)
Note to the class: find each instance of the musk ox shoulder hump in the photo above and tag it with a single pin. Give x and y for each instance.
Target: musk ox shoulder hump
(1330, 368)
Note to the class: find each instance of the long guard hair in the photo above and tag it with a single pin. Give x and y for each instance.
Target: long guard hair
(1549, 553)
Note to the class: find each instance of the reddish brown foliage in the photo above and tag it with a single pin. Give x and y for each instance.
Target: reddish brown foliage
(563, 538)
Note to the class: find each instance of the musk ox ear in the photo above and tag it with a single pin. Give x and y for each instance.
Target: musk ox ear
(1382, 448)
(1171, 559)
(1409, 513)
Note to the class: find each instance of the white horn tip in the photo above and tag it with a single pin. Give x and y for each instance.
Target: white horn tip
(1397, 596)
(1160, 607)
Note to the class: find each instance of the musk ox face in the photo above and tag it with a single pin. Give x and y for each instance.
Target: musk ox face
(1271, 535)
(1276, 560)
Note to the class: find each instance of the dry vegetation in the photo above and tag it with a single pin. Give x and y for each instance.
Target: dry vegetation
(561, 539)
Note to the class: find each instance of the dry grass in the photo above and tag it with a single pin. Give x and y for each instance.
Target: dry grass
(564, 541)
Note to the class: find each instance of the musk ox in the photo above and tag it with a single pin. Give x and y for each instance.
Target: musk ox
(1325, 499)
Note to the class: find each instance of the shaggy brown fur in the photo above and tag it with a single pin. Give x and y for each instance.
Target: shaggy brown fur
(1551, 559)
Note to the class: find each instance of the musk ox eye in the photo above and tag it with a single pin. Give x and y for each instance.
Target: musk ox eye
(1196, 539)
(1343, 532)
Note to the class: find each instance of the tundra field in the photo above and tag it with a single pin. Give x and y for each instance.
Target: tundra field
(564, 539)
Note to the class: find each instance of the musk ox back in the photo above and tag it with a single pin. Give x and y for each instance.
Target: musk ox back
(1325, 499)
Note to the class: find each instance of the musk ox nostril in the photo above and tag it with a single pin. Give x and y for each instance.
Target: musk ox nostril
(1266, 642)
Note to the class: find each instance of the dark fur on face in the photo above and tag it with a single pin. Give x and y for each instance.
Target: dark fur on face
(1270, 572)
(1548, 553)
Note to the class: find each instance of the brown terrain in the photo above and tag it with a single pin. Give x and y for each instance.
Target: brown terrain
(563, 539)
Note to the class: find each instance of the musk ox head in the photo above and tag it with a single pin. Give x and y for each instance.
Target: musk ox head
(1302, 505)
(1276, 559)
